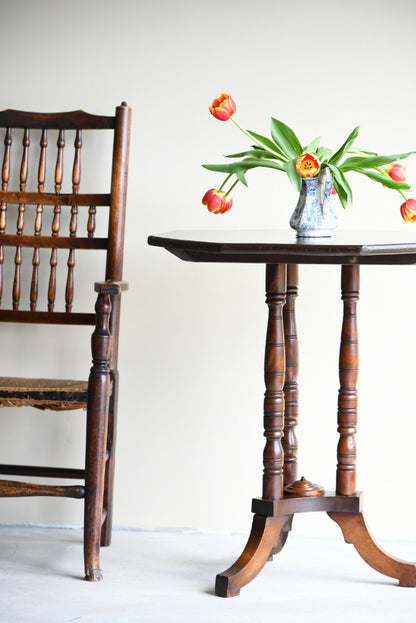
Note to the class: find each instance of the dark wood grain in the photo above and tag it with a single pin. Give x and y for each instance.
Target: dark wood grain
(355, 531)
(14, 489)
(281, 252)
(63, 237)
(348, 374)
(264, 537)
(41, 198)
(54, 242)
(3, 204)
(34, 288)
(45, 317)
(290, 389)
(74, 120)
(274, 377)
(99, 388)
(114, 272)
(274, 247)
(44, 472)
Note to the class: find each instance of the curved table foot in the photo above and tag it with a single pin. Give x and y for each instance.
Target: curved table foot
(355, 531)
(284, 533)
(265, 538)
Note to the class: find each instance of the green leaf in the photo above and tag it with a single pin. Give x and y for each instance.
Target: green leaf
(343, 197)
(244, 165)
(285, 139)
(257, 152)
(384, 179)
(340, 182)
(350, 163)
(241, 177)
(262, 162)
(293, 175)
(361, 152)
(372, 162)
(268, 144)
(313, 145)
(223, 168)
(323, 154)
(335, 159)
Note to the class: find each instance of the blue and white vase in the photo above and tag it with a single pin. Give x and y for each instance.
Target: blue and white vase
(314, 216)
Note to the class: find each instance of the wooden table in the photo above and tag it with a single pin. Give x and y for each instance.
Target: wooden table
(283, 494)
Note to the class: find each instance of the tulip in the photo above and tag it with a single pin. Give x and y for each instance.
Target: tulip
(408, 210)
(228, 204)
(397, 172)
(223, 107)
(217, 201)
(308, 165)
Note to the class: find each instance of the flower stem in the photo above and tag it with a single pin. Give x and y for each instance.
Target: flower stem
(231, 188)
(225, 181)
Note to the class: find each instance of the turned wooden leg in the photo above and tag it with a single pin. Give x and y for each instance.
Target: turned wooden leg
(97, 412)
(356, 532)
(112, 426)
(106, 529)
(274, 378)
(264, 536)
(348, 373)
(353, 525)
(290, 389)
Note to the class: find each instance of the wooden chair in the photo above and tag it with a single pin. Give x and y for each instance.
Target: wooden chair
(22, 209)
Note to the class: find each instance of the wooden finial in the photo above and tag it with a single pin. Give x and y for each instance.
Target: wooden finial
(303, 489)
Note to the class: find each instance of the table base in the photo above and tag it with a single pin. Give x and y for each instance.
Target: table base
(272, 523)
(283, 494)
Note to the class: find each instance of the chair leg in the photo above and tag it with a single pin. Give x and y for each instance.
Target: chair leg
(99, 384)
(94, 490)
(110, 464)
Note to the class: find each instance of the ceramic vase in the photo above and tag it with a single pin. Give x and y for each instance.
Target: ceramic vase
(314, 216)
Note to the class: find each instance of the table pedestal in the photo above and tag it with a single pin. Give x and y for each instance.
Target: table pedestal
(283, 494)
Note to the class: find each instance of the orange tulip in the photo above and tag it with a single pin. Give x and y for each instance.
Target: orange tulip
(217, 201)
(308, 165)
(397, 172)
(408, 210)
(223, 107)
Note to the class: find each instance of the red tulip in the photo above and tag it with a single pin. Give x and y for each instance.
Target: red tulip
(217, 201)
(223, 107)
(228, 204)
(408, 210)
(397, 172)
(308, 165)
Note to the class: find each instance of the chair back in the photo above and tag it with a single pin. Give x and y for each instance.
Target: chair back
(44, 215)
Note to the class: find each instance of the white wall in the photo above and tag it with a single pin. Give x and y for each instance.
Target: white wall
(190, 433)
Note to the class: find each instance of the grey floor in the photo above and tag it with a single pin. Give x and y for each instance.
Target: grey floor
(168, 576)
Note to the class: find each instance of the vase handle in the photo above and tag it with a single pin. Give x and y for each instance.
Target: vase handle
(324, 176)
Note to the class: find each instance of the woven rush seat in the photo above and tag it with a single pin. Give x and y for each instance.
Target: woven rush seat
(54, 394)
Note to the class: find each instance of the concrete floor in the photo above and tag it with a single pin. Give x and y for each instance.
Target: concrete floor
(168, 577)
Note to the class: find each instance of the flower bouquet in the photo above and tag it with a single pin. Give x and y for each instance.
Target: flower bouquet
(284, 152)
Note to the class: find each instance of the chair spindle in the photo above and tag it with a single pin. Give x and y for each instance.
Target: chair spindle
(76, 179)
(3, 205)
(34, 288)
(21, 219)
(91, 221)
(56, 223)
